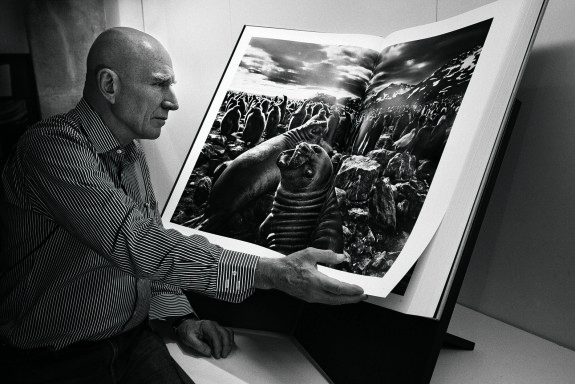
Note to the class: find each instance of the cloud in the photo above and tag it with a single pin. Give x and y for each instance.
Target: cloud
(306, 65)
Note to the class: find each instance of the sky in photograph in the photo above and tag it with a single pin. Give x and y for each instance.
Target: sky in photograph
(412, 62)
(300, 70)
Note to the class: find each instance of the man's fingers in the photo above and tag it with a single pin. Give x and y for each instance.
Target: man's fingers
(213, 336)
(227, 341)
(340, 288)
(198, 345)
(325, 256)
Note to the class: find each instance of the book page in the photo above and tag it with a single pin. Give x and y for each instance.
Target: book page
(463, 170)
(406, 119)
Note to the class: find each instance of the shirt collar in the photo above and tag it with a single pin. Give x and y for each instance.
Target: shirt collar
(96, 130)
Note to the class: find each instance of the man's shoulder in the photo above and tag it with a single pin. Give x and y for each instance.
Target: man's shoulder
(60, 127)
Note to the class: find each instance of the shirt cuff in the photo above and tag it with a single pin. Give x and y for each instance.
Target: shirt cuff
(236, 272)
(168, 305)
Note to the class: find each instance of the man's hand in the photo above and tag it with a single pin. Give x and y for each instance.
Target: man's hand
(206, 337)
(297, 275)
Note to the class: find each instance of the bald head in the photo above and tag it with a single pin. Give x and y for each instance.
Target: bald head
(128, 83)
(122, 50)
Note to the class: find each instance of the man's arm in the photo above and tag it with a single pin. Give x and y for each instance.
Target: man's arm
(167, 301)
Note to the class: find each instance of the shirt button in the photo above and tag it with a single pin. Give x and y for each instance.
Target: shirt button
(147, 205)
(119, 152)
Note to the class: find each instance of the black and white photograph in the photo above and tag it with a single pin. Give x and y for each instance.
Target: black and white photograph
(287, 191)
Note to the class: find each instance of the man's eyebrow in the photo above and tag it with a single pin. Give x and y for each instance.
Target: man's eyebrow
(164, 77)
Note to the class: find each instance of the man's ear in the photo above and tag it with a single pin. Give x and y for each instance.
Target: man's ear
(108, 84)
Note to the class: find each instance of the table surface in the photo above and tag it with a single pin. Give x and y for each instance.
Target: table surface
(502, 354)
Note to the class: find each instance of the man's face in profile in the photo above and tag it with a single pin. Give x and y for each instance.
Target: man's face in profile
(146, 94)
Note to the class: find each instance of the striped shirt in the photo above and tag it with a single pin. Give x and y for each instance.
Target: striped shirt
(84, 255)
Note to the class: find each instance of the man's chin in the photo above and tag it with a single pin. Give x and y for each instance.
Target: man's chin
(158, 123)
(155, 129)
(152, 134)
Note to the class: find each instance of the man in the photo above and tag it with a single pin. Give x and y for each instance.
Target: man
(85, 259)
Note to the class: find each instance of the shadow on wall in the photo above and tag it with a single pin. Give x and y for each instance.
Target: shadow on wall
(60, 33)
(519, 271)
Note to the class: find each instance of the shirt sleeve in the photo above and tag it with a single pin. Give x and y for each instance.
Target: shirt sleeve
(66, 181)
(168, 301)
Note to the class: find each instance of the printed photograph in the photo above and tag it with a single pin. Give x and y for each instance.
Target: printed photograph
(329, 146)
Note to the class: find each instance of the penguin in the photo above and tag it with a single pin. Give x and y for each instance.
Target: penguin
(243, 106)
(320, 116)
(231, 103)
(283, 106)
(299, 116)
(265, 106)
(255, 123)
(332, 124)
(316, 108)
(230, 121)
(308, 116)
(272, 123)
(342, 130)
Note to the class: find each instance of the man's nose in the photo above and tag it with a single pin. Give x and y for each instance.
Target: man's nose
(171, 101)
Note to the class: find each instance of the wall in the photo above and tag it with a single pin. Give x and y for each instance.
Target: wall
(522, 269)
(60, 34)
(13, 37)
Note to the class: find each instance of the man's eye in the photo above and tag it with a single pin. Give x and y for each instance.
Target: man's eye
(164, 84)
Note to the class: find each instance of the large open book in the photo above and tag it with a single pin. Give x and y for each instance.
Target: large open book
(377, 148)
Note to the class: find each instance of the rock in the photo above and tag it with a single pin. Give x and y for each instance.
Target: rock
(341, 197)
(347, 233)
(217, 139)
(426, 170)
(351, 226)
(203, 189)
(378, 259)
(336, 161)
(401, 167)
(220, 151)
(237, 149)
(358, 214)
(357, 247)
(206, 153)
(385, 141)
(420, 185)
(357, 176)
(406, 191)
(363, 264)
(382, 156)
(382, 204)
(403, 208)
(415, 191)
